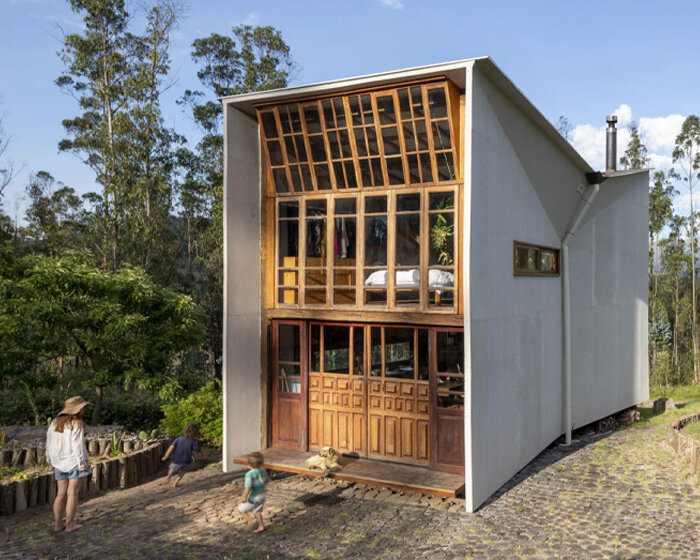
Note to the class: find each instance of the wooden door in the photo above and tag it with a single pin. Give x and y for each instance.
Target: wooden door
(337, 388)
(398, 394)
(447, 383)
(289, 384)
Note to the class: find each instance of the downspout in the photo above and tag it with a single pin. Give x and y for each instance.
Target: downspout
(584, 204)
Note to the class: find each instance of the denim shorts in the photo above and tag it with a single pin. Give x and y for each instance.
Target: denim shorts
(178, 468)
(251, 507)
(72, 474)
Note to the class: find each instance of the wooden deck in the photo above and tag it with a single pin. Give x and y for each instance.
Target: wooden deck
(368, 471)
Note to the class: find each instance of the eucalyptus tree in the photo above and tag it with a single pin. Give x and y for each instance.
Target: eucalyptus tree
(686, 154)
(661, 193)
(7, 167)
(55, 216)
(99, 66)
(636, 153)
(251, 59)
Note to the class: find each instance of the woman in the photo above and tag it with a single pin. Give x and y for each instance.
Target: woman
(66, 453)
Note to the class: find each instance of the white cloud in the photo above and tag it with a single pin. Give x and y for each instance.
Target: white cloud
(396, 4)
(624, 115)
(252, 18)
(660, 133)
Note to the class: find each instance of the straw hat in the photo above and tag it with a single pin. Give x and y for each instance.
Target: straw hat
(74, 405)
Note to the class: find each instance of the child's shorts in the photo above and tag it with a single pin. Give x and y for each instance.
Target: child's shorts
(250, 507)
(74, 473)
(178, 468)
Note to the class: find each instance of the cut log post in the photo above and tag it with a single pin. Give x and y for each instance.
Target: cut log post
(144, 464)
(6, 457)
(51, 493)
(18, 457)
(128, 446)
(40, 456)
(7, 498)
(33, 492)
(93, 447)
(123, 472)
(21, 495)
(29, 457)
(155, 457)
(132, 470)
(51, 490)
(104, 445)
(96, 478)
(114, 473)
(42, 488)
(104, 476)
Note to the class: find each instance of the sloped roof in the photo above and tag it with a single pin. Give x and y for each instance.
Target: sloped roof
(454, 71)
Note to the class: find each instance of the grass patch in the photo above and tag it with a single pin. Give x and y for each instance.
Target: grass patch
(677, 393)
(692, 429)
(648, 418)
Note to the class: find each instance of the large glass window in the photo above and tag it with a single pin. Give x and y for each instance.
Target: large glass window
(397, 136)
(394, 250)
(337, 349)
(450, 375)
(289, 359)
(400, 352)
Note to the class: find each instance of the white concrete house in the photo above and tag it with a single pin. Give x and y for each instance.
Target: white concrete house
(422, 273)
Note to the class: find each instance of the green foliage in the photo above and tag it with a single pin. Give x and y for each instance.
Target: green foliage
(143, 436)
(154, 434)
(203, 408)
(115, 445)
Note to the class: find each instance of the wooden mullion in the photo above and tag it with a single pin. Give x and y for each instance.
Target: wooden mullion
(307, 144)
(302, 253)
(423, 284)
(283, 147)
(360, 252)
(272, 187)
(321, 343)
(453, 116)
(352, 140)
(380, 140)
(351, 371)
(429, 134)
(327, 143)
(415, 354)
(330, 250)
(399, 134)
(383, 343)
(390, 250)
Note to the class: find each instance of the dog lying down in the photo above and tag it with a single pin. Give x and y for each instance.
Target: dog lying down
(328, 460)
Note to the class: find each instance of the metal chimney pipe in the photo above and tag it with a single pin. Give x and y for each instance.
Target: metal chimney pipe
(611, 144)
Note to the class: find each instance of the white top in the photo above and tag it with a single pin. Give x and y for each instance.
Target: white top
(66, 451)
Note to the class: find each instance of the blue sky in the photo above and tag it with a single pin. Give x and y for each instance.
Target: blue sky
(579, 58)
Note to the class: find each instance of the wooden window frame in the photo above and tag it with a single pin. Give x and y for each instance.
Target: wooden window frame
(452, 106)
(423, 305)
(539, 248)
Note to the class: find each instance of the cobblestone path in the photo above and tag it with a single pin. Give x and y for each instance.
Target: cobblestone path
(622, 495)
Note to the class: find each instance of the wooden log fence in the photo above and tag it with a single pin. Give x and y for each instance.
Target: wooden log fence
(115, 472)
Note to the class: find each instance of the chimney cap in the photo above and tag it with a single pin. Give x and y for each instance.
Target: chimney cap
(611, 119)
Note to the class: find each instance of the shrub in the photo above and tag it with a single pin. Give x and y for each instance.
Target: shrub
(204, 407)
(135, 409)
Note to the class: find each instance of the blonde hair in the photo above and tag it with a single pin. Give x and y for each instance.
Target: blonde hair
(256, 459)
(68, 420)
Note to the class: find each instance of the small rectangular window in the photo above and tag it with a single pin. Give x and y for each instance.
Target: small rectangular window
(534, 260)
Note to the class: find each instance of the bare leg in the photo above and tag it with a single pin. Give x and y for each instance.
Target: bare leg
(59, 505)
(72, 504)
(177, 481)
(167, 480)
(261, 525)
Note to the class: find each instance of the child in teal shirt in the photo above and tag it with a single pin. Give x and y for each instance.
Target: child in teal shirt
(254, 492)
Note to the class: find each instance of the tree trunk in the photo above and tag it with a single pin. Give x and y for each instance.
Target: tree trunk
(97, 410)
(694, 296)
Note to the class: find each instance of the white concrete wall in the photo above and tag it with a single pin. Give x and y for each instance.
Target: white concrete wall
(242, 310)
(608, 261)
(515, 322)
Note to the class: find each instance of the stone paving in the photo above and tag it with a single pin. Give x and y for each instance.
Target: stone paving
(620, 495)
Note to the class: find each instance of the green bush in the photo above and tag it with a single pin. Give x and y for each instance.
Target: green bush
(135, 409)
(204, 407)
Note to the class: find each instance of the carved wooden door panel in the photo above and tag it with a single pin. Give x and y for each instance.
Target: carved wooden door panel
(398, 395)
(337, 389)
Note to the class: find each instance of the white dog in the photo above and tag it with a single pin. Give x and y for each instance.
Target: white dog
(327, 460)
